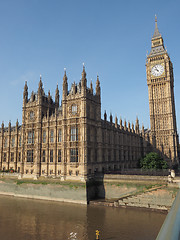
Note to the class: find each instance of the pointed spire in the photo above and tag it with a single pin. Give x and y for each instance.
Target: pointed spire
(40, 88)
(105, 116)
(65, 84)
(83, 72)
(65, 77)
(49, 96)
(116, 121)
(2, 125)
(25, 93)
(17, 123)
(9, 126)
(91, 87)
(97, 86)
(111, 119)
(83, 79)
(125, 127)
(137, 126)
(156, 31)
(143, 129)
(120, 123)
(132, 127)
(129, 126)
(57, 96)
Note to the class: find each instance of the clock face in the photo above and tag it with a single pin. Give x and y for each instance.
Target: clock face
(157, 70)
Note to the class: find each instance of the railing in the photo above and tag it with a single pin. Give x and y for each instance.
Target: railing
(170, 229)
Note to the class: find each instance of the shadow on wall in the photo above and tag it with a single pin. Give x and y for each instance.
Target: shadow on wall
(95, 189)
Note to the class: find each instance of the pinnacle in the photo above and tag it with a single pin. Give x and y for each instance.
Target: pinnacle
(156, 31)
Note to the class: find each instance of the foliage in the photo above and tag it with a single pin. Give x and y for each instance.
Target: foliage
(153, 161)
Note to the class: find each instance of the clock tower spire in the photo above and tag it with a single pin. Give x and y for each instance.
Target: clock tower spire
(160, 81)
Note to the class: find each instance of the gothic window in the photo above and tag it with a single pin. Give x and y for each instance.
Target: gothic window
(74, 134)
(51, 155)
(30, 137)
(52, 136)
(31, 115)
(19, 157)
(29, 155)
(119, 155)
(74, 109)
(19, 141)
(44, 136)
(5, 142)
(109, 155)
(59, 155)
(73, 155)
(114, 154)
(4, 159)
(12, 141)
(59, 135)
(44, 156)
(12, 157)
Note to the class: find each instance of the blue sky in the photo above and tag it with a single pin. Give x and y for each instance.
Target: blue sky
(110, 37)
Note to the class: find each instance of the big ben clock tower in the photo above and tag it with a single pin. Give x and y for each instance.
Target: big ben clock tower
(160, 81)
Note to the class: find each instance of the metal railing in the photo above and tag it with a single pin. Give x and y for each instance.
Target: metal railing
(170, 229)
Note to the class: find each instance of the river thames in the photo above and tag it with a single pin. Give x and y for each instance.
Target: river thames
(26, 219)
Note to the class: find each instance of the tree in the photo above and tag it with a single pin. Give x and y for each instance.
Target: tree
(153, 161)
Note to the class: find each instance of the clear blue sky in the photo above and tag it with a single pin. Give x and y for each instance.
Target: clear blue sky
(110, 37)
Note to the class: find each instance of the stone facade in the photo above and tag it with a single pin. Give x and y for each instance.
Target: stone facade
(71, 141)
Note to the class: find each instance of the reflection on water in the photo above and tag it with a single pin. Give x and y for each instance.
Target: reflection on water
(25, 219)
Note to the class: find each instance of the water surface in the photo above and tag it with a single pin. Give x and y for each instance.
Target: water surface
(26, 219)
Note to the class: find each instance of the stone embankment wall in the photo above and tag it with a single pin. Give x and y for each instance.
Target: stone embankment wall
(152, 192)
(115, 190)
(65, 192)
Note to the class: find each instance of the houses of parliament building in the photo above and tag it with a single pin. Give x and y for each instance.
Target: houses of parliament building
(71, 141)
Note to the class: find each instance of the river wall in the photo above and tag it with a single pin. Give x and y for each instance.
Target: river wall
(109, 190)
(74, 193)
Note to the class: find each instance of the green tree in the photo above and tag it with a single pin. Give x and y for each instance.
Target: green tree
(153, 161)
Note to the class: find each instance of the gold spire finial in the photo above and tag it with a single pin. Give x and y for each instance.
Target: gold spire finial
(155, 18)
